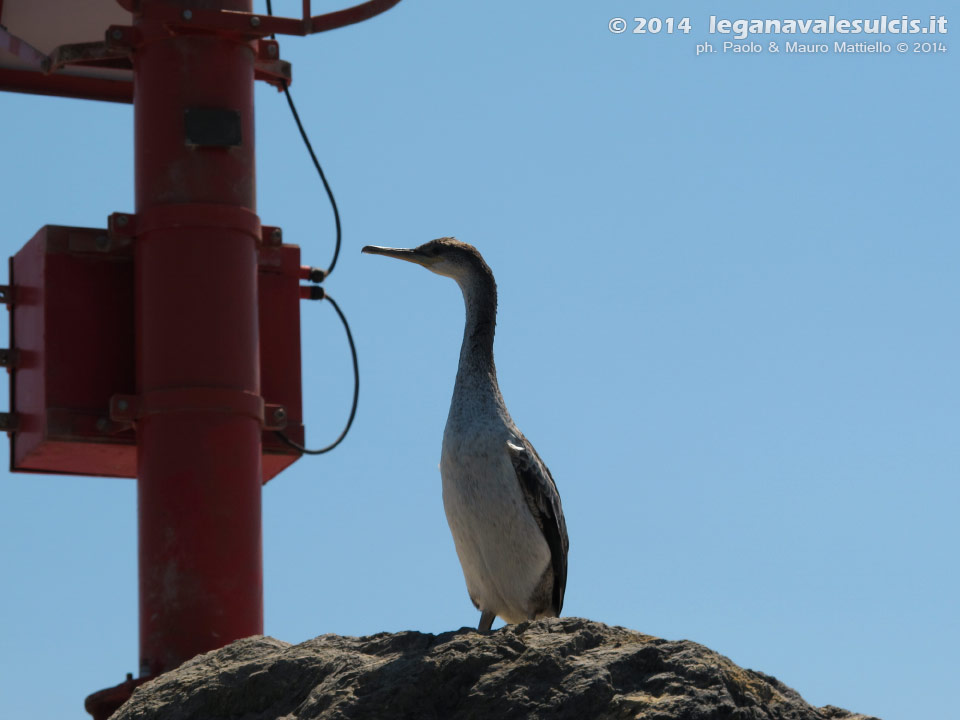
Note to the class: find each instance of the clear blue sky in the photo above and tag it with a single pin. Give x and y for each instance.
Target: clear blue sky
(729, 296)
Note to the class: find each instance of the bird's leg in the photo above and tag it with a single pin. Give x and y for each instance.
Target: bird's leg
(486, 621)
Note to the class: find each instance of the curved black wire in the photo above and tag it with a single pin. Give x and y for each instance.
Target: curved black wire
(323, 177)
(356, 392)
(316, 164)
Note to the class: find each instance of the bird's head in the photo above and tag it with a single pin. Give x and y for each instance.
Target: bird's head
(443, 256)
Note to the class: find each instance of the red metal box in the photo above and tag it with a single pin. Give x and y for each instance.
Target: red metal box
(72, 343)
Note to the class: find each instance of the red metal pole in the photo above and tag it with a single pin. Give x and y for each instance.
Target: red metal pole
(198, 440)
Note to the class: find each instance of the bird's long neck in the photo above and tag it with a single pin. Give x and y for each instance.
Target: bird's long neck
(477, 373)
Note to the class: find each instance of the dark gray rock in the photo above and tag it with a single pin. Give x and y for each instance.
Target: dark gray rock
(562, 668)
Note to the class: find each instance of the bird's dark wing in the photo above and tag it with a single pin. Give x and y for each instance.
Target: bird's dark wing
(544, 502)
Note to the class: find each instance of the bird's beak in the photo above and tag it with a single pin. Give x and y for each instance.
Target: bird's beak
(410, 255)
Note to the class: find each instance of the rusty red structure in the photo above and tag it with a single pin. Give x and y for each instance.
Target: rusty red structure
(166, 345)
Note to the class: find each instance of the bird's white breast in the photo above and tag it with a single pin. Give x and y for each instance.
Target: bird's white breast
(501, 548)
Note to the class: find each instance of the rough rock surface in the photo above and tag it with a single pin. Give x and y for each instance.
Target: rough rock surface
(561, 668)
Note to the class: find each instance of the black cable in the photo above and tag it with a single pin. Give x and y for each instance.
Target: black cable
(318, 276)
(323, 177)
(356, 392)
(316, 164)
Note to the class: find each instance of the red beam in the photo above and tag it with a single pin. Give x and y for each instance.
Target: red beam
(74, 86)
(171, 12)
(355, 14)
(35, 79)
(196, 334)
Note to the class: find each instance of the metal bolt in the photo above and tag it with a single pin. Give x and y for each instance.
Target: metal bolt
(255, 21)
(122, 220)
(279, 415)
(187, 15)
(122, 405)
(103, 424)
(276, 235)
(102, 242)
(116, 34)
(272, 50)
